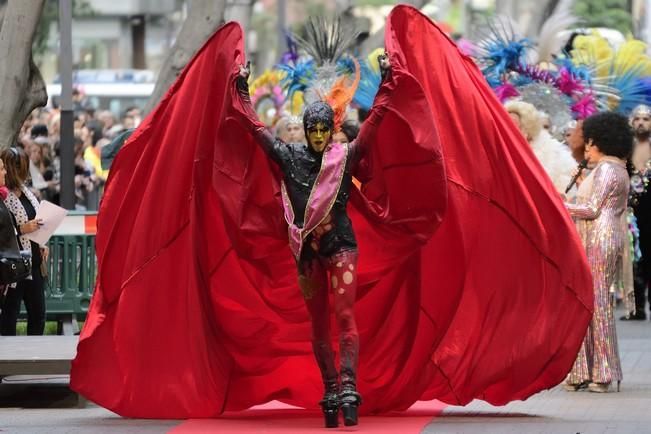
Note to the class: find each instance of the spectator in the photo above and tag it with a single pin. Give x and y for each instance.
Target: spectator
(39, 130)
(135, 114)
(640, 202)
(109, 151)
(91, 155)
(24, 206)
(348, 133)
(128, 122)
(44, 186)
(80, 103)
(574, 139)
(289, 129)
(107, 119)
(8, 244)
(54, 127)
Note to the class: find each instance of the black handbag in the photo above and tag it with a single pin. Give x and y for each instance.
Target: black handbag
(15, 267)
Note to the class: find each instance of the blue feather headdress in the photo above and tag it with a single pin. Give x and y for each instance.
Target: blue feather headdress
(369, 84)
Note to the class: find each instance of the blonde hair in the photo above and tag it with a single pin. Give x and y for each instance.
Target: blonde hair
(530, 120)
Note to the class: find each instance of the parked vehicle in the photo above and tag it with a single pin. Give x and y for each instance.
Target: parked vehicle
(108, 89)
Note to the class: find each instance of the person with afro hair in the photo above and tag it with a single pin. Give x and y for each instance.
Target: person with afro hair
(600, 215)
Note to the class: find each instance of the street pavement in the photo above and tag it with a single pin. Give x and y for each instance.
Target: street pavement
(47, 406)
(559, 411)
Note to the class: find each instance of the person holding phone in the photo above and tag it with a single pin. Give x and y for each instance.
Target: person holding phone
(22, 203)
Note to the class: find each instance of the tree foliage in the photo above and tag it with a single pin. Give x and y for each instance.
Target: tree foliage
(80, 8)
(613, 14)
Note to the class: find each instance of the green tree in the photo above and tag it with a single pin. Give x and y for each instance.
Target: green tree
(613, 14)
(50, 15)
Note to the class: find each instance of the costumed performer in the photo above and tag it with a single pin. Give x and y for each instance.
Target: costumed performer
(317, 178)
(600, 214)
(555, 157)
(641, 203)
(289, 129)
(471, 280)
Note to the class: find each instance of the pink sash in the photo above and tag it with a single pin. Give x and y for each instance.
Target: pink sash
(322, 197)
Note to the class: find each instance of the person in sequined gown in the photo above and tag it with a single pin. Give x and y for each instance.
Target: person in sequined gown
(599, 213)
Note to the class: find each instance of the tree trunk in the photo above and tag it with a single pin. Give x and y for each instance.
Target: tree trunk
(528, 15)
(204, 17)
(240, 11)
(376, 40)
(21, 85)
(506, 7)
(532, 18)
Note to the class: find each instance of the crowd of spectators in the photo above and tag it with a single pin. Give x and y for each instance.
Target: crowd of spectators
(40, 136)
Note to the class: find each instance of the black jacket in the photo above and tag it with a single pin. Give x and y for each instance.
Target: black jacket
(8, 237)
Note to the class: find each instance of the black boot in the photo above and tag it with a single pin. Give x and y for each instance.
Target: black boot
(330, 405)
(349, 401)
(330, 402)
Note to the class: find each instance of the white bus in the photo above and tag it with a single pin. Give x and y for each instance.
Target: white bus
(114, 90)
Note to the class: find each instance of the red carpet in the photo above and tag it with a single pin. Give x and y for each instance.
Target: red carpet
(276, 417)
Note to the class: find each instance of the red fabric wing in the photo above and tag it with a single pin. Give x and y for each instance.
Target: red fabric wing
(507, 252)
(197, 309)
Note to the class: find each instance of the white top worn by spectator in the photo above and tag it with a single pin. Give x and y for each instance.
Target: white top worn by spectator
(555, 158)
(38, 182)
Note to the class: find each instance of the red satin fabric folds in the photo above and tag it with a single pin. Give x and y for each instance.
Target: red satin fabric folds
(472, 281)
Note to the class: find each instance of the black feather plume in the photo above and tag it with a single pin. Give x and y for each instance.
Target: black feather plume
(326, 40)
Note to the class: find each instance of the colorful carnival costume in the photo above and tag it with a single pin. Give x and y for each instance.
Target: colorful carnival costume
(315, 187)
(554, 157)
(641, 206)
(600, 213)
(462, 291)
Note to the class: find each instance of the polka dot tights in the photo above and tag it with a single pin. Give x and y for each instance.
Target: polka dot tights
(314, 283)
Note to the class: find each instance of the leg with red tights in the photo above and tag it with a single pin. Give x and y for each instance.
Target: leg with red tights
(343, 278)
(313, 281)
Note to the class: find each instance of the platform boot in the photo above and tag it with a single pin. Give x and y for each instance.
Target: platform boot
(330, 405)
(349, 401)
(349, 398)
(330, 402)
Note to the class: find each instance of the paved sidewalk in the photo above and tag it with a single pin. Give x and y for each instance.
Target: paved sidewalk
(558, 411)
(51, 408)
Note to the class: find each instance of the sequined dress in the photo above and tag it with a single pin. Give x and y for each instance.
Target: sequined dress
(599, 213)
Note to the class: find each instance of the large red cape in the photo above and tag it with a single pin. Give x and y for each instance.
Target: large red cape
(473, 282)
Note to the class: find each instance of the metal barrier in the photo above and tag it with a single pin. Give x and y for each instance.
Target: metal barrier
(71, 269)
(71, 273)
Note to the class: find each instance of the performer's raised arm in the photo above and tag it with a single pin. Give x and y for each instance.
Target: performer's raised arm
(605, 183)
(248, 115)
(379, 108)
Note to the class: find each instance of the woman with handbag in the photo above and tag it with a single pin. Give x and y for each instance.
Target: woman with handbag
(24, 206)
(14, 266)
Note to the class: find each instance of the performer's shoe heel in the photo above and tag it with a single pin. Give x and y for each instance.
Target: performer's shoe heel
(350, 414)
(349, 400)
(331, 416)
(618, 382)
(330, 405)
